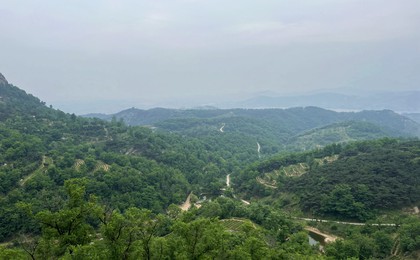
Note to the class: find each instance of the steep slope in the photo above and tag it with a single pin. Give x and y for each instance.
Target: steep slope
(41, 148)
(82, 188)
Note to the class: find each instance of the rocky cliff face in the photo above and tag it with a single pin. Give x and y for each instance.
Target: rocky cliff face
(3, 79)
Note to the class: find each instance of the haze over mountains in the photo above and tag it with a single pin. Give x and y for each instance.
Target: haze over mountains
(399, 101)
(104, 57)
(403, 101)
(197, 129)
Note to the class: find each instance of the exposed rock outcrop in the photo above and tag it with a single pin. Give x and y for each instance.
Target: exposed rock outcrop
(3, 79)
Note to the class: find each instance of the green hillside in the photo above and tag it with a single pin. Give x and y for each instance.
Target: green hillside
(82, 188)
(337, 133)
(354, 181)
(74, 187)
(294, 129)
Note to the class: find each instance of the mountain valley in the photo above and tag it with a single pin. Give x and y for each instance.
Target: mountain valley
(111, 188)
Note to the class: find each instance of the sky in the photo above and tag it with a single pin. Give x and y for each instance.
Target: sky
(107, 55)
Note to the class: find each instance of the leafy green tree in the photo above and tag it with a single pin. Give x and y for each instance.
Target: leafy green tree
(383, 243)
(132, 233)
(70, 225)
(357, 245)
(410, 235)
(198, 239)
(296, 247)
(12, 253)
(342, 249)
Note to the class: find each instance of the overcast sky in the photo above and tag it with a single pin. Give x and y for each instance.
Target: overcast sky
(144, 53)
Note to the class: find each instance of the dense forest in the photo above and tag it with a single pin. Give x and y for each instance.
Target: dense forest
(275, 130)
(353, 181)
(85, 188)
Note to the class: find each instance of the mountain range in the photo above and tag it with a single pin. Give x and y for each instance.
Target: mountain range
(284, 128)
(85, 188)
(400, 101)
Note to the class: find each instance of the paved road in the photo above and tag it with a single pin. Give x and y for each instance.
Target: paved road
(346, 223)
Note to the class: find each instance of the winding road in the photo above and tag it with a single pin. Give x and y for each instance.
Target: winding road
(234, 196)
(346, 223)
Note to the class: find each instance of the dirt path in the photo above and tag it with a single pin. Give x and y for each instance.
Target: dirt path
(396, 247)
(259, 149)
(187, 204)
(327, 237)
(221, 128)
(27, 178)
(41, 167)
(234, 196)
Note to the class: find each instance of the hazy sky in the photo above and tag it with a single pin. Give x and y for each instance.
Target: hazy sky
(148, 52)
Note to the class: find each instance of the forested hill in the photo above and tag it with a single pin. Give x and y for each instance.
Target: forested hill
(83, 188)
(79, 188)
(353, 181)
(42, 148)
(293, 129)
(293, 119)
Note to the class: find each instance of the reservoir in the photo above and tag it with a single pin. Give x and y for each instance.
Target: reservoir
(316, 239)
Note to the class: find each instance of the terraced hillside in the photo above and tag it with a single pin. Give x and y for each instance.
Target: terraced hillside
(354, 181)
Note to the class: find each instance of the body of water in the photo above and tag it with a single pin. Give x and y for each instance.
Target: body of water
(315, 239)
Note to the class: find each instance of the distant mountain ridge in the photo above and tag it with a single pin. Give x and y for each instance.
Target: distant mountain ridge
(297, 119)
(293, 129)
(403, 101)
